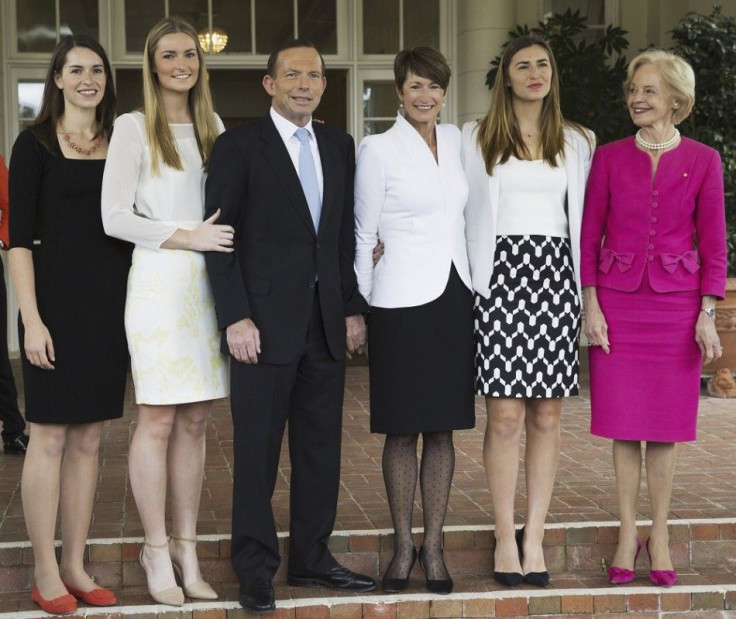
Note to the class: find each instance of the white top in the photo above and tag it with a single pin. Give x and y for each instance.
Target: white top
(531, 199)
(146, 209)
(286, 130)
(415, 205)
(481, 212)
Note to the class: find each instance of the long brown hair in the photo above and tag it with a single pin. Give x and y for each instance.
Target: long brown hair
(498, 133)
(52, 103)
(160, 139)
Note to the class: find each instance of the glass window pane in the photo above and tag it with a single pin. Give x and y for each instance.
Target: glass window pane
(36, 25)
(233, 16)
(140, 15)
(274, 24)
(594, 10)
(80, 17)
(318, 23)
(129, 89)
(333, 108)
(381, 26)
(30, 94)
(379, 99)
(373, 127)
(422, 23)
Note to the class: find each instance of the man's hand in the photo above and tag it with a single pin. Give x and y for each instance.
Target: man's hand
(244, 341)
(355, 334)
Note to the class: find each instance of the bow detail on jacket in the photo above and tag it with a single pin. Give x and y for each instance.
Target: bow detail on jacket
(608, 257)
(688, 260)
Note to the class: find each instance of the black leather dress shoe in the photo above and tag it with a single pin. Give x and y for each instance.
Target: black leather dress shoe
(339, 577)
(256, 594)
(16, 446)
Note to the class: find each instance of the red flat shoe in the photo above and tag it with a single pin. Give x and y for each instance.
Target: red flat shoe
(96, 597)
(63, 605)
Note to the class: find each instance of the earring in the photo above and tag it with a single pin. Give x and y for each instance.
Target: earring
(401, 105)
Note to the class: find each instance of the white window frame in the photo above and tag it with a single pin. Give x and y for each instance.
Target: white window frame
(611, 14)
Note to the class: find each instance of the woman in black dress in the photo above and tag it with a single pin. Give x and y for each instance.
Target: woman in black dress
(71, 292)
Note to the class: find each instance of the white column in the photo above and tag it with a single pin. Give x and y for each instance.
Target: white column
(482, 28)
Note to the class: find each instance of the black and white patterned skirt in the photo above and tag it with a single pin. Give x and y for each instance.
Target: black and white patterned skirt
(526, 333)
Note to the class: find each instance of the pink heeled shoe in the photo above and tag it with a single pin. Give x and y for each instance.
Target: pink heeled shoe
(661, 578)
(621, 575)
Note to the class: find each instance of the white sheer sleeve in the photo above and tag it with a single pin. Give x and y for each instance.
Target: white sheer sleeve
(123, 173)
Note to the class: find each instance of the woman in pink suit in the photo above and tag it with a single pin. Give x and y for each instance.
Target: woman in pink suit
(653, 263)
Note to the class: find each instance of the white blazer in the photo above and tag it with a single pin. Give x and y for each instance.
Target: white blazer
(414, 205)
(481, 213)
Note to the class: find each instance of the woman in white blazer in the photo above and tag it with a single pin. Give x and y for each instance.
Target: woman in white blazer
(410, 193)
(526, 169)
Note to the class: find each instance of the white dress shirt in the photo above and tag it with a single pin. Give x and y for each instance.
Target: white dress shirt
(286, 130)
(414, 205)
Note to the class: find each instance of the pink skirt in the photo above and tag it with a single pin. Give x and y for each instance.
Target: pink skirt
(647, 389)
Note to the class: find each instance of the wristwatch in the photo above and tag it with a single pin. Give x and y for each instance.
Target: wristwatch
(709, 311)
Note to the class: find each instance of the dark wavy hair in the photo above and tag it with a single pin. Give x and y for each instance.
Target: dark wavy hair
(52, 104)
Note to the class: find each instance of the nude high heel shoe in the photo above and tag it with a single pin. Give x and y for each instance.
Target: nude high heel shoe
(199, 590)
(173, 596)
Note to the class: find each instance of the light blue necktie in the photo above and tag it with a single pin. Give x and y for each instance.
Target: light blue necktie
(308, 176)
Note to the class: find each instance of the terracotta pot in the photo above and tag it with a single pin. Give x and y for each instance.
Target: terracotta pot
(726, 327)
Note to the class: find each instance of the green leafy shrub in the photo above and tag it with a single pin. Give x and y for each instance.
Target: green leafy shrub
(708, 43)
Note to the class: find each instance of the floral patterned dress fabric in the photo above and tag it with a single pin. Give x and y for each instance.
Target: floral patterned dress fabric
(170, 314)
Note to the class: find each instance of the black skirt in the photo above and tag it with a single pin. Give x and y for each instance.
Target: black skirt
(421, 364)
(527, 331)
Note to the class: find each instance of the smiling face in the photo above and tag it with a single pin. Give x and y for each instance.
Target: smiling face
(82, 79)
(297, 84)
(530, 74)
(175, 63)
(422, 99)
(649, 99)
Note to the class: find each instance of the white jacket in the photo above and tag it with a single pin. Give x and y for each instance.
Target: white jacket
(414, 205)
(481, 213)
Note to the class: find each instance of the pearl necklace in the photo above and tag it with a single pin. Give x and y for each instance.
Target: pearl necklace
(87, 152)
(657, 146)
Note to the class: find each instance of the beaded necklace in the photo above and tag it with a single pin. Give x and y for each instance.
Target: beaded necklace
(87, 152)
(657, 145)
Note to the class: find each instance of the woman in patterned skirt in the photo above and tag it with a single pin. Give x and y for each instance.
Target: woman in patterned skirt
(526, 168)
(153, 196)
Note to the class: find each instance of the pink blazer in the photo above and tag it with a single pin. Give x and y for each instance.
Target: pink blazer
(632, 225)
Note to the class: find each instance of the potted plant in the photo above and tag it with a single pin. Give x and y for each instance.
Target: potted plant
(708, 43)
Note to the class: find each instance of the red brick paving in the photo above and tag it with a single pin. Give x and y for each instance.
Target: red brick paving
(705, 484)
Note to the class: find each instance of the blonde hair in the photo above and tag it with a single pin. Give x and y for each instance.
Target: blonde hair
(498, 133)
(160, 139)
(676, 73)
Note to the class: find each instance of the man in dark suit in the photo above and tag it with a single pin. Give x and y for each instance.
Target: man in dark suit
(288, 304)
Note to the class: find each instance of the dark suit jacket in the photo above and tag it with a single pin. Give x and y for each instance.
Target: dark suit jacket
(270, 277)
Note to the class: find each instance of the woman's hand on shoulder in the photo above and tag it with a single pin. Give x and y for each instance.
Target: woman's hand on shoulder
(38, 345)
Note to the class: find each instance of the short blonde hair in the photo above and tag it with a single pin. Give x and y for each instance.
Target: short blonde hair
(676, 73)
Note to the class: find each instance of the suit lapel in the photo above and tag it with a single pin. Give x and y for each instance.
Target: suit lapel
(330, 166)
(274, 152)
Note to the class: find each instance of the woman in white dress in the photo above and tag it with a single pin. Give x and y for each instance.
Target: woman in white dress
(153, 196)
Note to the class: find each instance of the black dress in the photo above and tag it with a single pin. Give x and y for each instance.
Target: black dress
(81, 278)
(421, 364)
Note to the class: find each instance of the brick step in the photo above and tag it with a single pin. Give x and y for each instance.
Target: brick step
(580, 594)
(702, 551)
